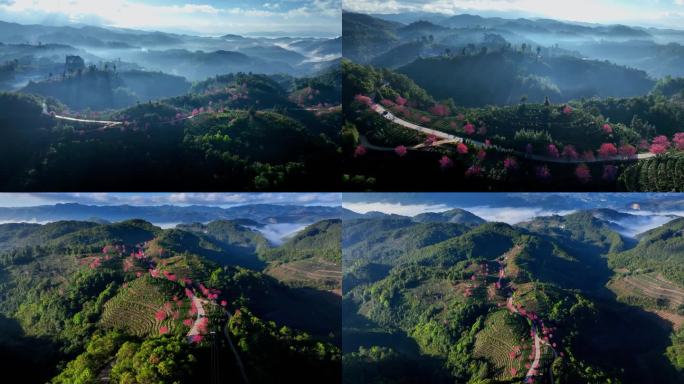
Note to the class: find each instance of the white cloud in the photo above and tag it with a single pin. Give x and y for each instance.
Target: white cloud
(210, 199)
(394, 208)
(199, 18)
(513, 215)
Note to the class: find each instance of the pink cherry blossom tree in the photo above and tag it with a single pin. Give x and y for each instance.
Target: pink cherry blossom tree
(583, 173)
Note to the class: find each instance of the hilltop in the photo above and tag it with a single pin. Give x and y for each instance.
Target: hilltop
(468, 305)
(220, 135)
(81, 293)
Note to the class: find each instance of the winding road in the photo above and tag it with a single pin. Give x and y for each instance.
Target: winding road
(199, 305)
(103, 122)
(534, 367)
(449, 138)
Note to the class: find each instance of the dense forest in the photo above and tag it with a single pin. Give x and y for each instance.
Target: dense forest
(129, 302)
(584, 145)
(547, 300)
(467, 102)
(241, 131)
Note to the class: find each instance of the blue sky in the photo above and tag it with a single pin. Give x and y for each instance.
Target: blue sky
(211, 199)
(661, 13)
(206, 17)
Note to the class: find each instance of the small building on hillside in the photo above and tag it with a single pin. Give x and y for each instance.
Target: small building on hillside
(74, 64)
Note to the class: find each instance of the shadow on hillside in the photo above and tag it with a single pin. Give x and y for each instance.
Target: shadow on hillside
(631, 338)
(31, 358)
(406, 366)
(314, 311)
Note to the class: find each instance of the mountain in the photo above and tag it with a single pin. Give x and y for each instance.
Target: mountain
(468, 306)
(99, 90)
(457, 215)
(501, 78)
(658, 52)
(84, 300)
(364, 36)
(261, 213)
(312, 257)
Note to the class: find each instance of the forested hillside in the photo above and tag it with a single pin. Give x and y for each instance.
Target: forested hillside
(491, 302)
(131, 302)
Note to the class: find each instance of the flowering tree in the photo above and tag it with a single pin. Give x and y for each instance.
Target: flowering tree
(552, 151)
(567, 110)
(583, 173)
(461, 148)
(569, 152)
(363, 100)
(425, 119)
(400, 101)
(511, 163)
(678, 141)
(445, 162)
(627, 150)
(607, 150)
(387, 103)
(440, 110)
(660, 145)
(607, 129)
(481, 155)
(658, 149)
(360, 151)
(400, 150)
(469, 129)
(160, 315)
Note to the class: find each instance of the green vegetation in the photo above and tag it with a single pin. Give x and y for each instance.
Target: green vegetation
(442, 302)
(83, 302)
(612, 128)
(664, 173)
(238, 131)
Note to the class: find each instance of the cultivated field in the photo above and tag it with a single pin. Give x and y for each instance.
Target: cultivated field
(502, 346)
(308, 272)
(134, 307)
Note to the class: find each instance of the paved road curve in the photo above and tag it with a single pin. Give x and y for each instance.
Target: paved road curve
(478, 144)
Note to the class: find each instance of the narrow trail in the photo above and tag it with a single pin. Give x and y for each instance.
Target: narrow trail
(449, 138)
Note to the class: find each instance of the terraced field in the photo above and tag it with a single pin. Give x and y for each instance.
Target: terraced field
(134, 307)
(530, 297)
(497, 343)
(652, 286)
(312, 271)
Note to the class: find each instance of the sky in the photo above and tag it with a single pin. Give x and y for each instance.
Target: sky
(183, 199)
(202, 17)
(511, 208)
(656, 13)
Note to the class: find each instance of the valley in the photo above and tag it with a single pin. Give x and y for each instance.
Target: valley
(221, 301)
(548, 299)
(185, 111)
(488, 103)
